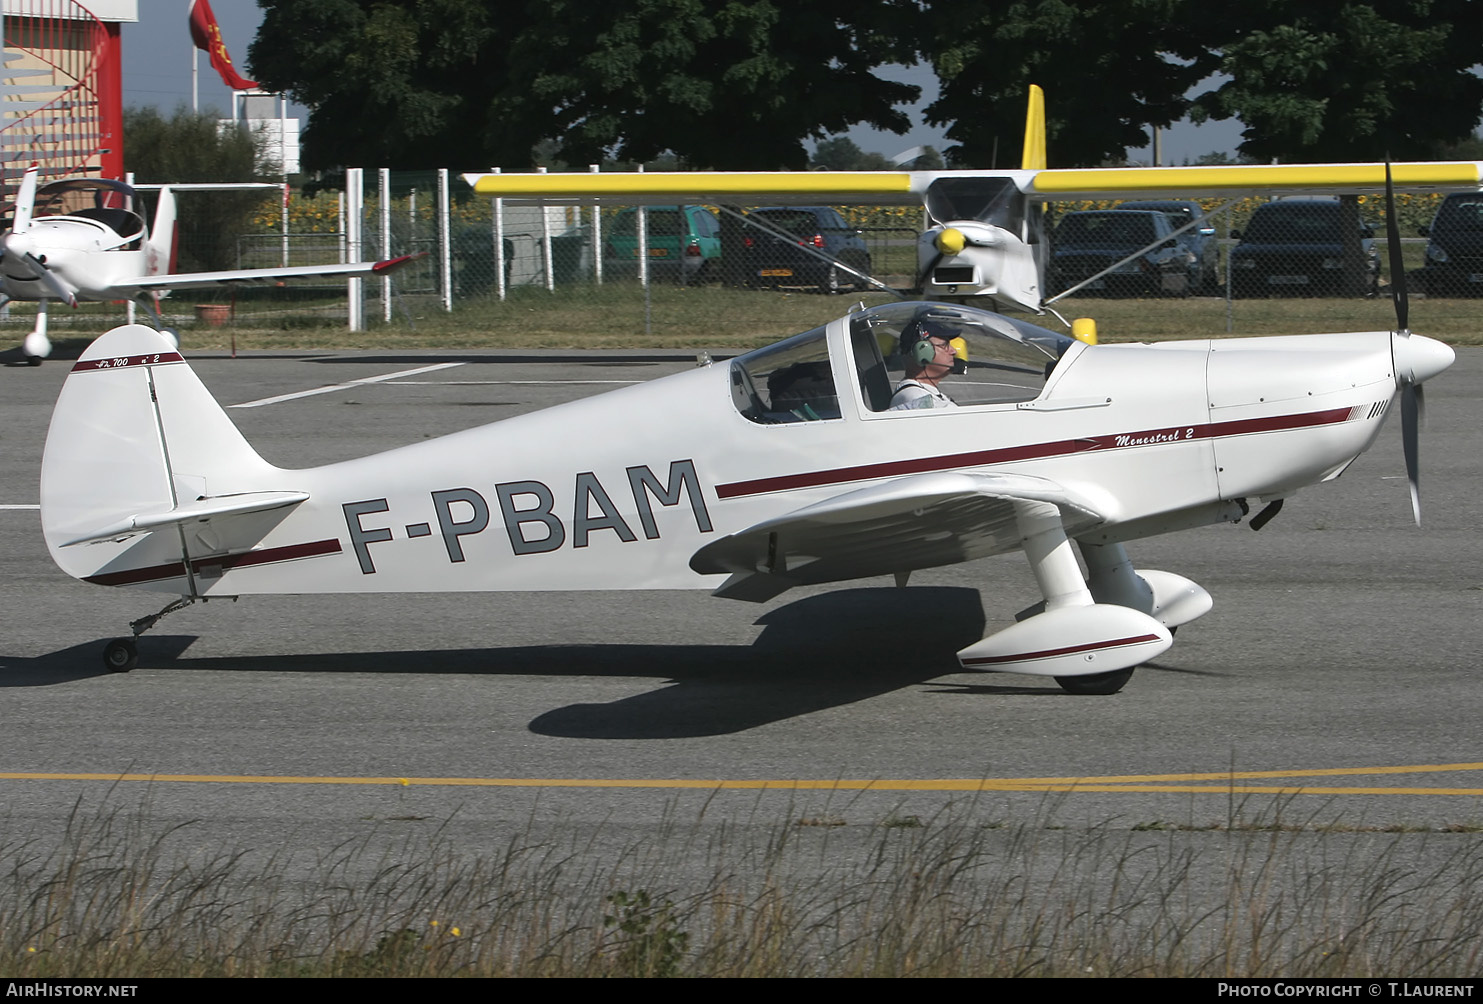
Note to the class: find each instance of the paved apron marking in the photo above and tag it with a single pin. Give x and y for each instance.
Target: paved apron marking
(330, 388)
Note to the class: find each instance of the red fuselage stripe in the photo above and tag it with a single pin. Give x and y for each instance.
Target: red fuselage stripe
(1051, 653)
(176, 569)
(1033, 451)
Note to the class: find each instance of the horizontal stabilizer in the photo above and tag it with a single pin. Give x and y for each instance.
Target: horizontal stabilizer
(200, 511)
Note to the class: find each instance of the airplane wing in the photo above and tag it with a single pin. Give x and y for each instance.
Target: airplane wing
(919, 521)
(910, 187)
(186, 280)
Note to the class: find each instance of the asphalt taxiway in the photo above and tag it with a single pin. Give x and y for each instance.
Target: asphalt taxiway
(1337, 678)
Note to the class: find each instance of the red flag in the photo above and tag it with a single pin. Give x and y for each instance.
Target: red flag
(207, 35)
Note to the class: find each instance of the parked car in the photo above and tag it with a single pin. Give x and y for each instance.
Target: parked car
(1454, 255)
(1088, 243)
(684, 243)
(803, 246)
(1296, 247)
(1199, 240)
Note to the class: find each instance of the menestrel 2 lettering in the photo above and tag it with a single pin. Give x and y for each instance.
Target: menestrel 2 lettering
(529, 513)
(1150, 438)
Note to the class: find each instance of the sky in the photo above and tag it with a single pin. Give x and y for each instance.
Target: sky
(157, 72)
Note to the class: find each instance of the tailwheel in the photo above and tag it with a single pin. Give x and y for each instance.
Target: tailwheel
(1096, 684)
(120, 655)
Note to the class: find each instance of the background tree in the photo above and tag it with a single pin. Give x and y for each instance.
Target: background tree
(1109, 70)
(720, 83)
(1317, 81)
(189, 147)
(840, 153)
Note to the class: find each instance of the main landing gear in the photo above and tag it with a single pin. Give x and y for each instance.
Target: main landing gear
(1088, 634)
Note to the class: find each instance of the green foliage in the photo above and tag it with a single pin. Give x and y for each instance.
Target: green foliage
(742, 84)
(1108, 70)
(1323, 81)
(722, 83)
(193, 147)
(652, 944)
(394, 953)
(840, 153)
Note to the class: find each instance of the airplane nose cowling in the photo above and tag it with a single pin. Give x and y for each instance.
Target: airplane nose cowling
(18, 246)
(1419, 358)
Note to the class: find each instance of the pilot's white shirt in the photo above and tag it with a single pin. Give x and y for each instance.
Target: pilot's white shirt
(911, 395)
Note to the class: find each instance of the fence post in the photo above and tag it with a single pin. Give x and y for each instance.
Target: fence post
(445, 251)
(283, 218)
(384, 178)
(354, 203)
(596, 233)
(499, 243)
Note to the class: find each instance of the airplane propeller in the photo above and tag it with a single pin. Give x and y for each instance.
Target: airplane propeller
(18, 243)
(25, 202)
(1415, 358)
(948, 242)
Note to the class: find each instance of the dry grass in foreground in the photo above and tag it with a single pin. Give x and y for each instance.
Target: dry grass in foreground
(900, 896)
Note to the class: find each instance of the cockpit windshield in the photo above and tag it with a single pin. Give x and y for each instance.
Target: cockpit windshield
(102, 200)
(997, 359)
(987, 200)
(66, 198)
(787, 382)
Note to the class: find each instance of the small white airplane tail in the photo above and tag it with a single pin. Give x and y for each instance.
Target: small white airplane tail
(159, 258)
(137, 444)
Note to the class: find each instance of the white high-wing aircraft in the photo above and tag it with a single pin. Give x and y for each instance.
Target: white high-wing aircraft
(986, 237)
(80, 239)
(782, 467)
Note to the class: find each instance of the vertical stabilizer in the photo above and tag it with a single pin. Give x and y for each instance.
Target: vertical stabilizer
(135, 437)
(1034, 156)
(159, 258)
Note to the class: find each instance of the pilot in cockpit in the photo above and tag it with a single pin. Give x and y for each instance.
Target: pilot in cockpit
(929, 355)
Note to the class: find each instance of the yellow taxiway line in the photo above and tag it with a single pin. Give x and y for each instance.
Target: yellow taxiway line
(1223, 782)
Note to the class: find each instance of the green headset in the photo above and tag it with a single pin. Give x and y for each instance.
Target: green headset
(916, 343)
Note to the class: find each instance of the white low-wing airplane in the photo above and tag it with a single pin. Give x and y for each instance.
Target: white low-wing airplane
(782, 467)
(81, 240)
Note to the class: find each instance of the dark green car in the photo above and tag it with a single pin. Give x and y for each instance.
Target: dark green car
(684, 243)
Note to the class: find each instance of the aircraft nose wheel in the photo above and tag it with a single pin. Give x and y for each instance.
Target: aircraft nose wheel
(120, 655)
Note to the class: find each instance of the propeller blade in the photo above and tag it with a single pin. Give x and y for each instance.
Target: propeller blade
(922, 279)
(1411, 442)
(25, 202)
(1397, 263)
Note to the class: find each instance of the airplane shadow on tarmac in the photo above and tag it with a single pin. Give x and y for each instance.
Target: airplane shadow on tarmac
(819, 652)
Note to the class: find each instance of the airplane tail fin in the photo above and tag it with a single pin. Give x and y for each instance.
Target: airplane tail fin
(1034, 157)
(137, 444)
(159, 258)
